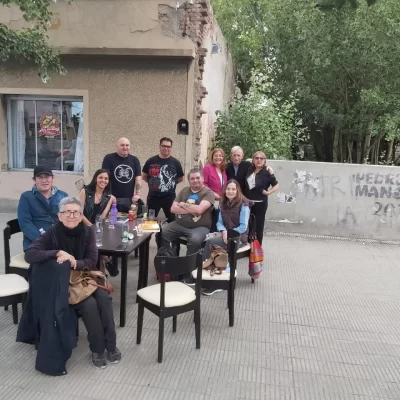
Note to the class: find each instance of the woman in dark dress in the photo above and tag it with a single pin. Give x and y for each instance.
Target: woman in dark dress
(259, 184)
(71, 240)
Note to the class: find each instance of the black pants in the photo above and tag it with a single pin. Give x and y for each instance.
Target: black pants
(259, 210)
(157, 203)
(98, 317)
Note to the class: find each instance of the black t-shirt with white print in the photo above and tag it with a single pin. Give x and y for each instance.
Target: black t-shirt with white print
(123, 171)
(163, 175)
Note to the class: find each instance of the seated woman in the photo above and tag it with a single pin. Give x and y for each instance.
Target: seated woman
(234, 214)
(97, 200)
(96, 197)
(70, 240)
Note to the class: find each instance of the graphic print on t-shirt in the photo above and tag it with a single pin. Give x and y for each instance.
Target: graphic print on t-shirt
(162, 178)
(123, 173)
(192, 199)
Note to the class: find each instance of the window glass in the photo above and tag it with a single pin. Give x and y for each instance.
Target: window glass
(45, 132)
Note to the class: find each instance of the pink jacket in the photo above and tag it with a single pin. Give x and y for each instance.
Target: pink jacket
(212, 179)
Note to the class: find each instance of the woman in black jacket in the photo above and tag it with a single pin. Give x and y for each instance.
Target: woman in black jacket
(71, 240)
(259, 184)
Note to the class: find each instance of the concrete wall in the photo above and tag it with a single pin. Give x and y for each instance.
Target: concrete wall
(336, 199)
(219, 80)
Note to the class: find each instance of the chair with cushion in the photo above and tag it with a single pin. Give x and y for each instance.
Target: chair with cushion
(168, 299)
(13, 289)
(15, 264)
(225, 280)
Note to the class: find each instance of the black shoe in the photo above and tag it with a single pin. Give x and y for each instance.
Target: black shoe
(114, 357)
(190, 281)
(210, 292)
(112, 269)
(99, 360)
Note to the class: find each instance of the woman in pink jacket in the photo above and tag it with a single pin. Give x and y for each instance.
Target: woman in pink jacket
(214, 172)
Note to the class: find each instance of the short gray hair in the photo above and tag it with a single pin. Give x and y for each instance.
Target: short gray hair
(69, 200)
(195, 171)
(237, 148)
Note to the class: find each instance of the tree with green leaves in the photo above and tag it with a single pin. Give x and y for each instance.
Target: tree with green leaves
(342, 60)
(259, 121)
(30, 43)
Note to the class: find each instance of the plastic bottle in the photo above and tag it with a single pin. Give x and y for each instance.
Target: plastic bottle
(114, 214)
(99, 238)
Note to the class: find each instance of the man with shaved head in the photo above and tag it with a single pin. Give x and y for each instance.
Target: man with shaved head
(125, 174)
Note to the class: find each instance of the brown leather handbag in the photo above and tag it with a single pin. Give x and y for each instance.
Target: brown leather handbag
(81, 286)
(217, 262)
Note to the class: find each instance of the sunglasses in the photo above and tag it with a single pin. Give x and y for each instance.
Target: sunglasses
(259, 158)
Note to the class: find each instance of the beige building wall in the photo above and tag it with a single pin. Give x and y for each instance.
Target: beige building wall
(125, 96)
(219, 80)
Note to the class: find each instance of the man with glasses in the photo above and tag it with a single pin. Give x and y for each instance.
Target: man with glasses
(38, 207)
(162, 173)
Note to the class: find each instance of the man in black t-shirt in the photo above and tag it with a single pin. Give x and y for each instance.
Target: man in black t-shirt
(162, 172)
(126, 180)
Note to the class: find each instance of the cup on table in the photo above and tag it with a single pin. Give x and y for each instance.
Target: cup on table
(152, 215)
(125, 232)
(139, 230)
(145, 210)
(98, 222)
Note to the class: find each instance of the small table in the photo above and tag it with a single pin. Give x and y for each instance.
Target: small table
(114, 247)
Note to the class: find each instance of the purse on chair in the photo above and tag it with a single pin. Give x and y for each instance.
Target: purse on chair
(217, 262)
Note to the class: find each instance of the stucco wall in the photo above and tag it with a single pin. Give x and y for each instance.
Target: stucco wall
(109, 24)
(336, 199)
(142, 100)
(219, 81)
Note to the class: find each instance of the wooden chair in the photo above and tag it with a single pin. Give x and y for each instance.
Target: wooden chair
(13, 289)
(15, 264)
(225, 280)
(168, 299)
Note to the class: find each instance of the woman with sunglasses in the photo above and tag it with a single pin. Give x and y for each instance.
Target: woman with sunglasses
(259, 184)
(96, 197)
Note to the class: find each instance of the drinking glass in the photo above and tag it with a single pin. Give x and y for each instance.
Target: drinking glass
(139, 229)
(110, 223)
(144, 211)
(98, 222)
(125, 232)
(152, 215)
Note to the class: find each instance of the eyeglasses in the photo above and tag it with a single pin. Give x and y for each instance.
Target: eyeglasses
(164, 146)
(69, 214)
(43, 177)
(259, 158)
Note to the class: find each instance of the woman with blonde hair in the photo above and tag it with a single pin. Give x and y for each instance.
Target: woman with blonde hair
(215, 172)
(259, 184)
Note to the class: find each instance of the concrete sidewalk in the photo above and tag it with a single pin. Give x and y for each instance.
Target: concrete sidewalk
(322, 323)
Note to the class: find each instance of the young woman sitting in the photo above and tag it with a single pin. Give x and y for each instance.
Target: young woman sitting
(234, 214)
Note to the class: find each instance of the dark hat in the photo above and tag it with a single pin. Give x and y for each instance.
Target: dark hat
(42, 170)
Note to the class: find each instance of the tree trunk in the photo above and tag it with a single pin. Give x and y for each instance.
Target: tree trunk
(336, 142)
(359, 151)
(389, 152)
(367, 142)
(350, 150)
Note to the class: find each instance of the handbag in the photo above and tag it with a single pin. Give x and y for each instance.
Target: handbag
(217, 262)
(82, 284)
(256, 257)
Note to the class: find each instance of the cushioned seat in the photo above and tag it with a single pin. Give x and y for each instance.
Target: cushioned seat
(12, 284)
(206, 276)
(246, 247)
(18, 261)
(176, 294)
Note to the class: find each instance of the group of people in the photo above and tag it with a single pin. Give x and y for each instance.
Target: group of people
(57, 227)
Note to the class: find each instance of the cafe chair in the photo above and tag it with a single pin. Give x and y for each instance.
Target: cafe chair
(168, 299)
(225, 280)
(13, 289)
(15, 264)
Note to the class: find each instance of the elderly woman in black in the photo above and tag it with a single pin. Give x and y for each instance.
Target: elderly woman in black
(71, 240)
(259, 184)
